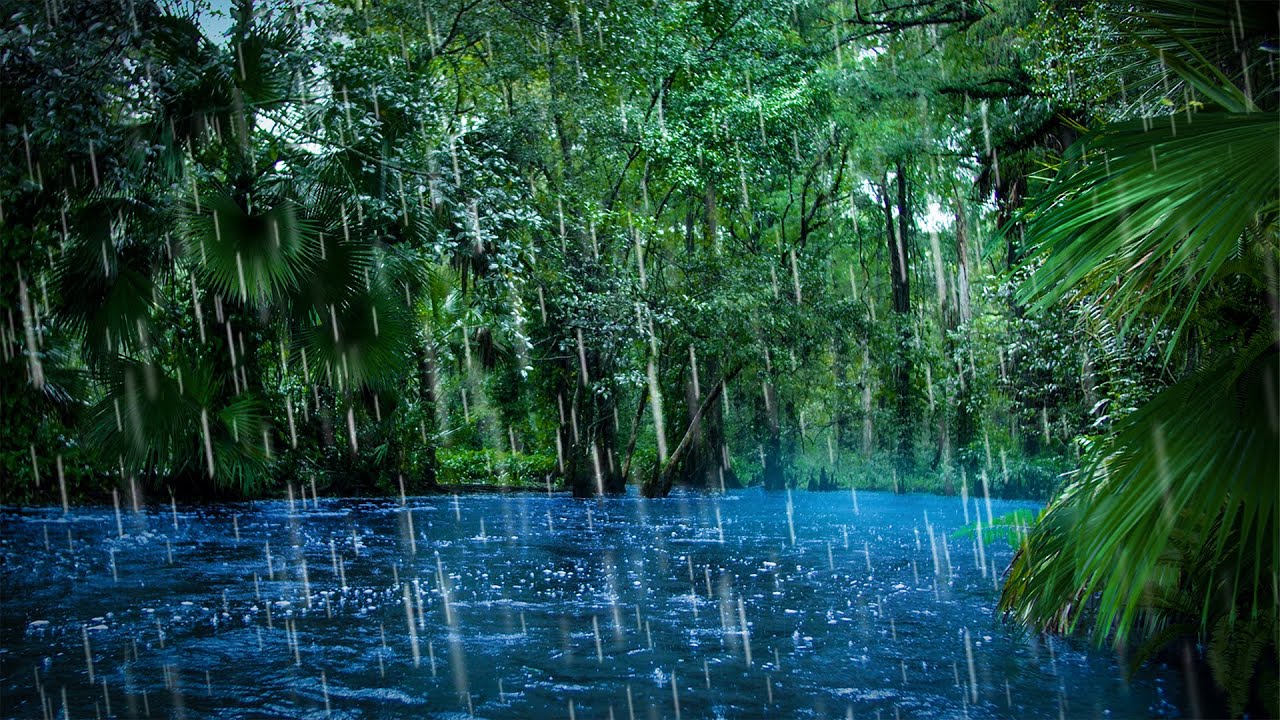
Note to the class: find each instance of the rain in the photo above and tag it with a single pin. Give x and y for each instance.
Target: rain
(890, 360)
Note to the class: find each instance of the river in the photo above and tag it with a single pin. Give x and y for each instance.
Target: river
(506, 606)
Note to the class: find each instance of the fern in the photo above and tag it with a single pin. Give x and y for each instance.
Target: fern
(1233, 653)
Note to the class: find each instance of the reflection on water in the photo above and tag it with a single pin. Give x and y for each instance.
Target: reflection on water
(727, 606)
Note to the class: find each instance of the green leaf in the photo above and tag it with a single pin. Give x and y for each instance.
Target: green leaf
(1146, 217)
(255, 258)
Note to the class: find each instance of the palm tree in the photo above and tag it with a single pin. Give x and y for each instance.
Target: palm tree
(1171, 526)
(256, 249)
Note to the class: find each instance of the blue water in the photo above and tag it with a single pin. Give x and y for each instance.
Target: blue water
(552, 608)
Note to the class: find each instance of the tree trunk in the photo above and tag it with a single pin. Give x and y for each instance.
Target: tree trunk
(704, 463)
(957, 313)
(688, 231)
(962, 262)
(659, 485)
(426, 386)
(713, 214)
(774, 475)
(591, 467)
(900, 283)
(635, 432)
(902, 278)
(868, 428)
(557, 116)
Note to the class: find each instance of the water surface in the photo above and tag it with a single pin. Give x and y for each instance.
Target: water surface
(533, 606)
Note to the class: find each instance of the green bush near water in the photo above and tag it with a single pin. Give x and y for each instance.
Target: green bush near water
(493, 467)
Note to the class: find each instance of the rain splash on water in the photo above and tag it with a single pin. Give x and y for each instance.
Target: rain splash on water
(741, 605)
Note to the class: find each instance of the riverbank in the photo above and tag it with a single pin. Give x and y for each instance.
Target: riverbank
(1029, 483)
(77, 478)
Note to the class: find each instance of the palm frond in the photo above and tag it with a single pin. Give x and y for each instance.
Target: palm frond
(1147, 216)
(1201, 459)
(105, 278)
(256, 258)
(172, 423)
(262, 71)
(445, 304)
(340, 264)
(240, 440)
(364, 340)
(1192, 49)
(146, 415)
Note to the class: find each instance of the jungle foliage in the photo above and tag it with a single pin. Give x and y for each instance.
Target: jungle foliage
(1009, 247)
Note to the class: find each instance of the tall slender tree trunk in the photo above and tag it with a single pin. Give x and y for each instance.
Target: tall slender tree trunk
(713, 214)
(963, 307)
(773, 472)
(902, 278)
(775, 476)
(426, 386)
(954, 313)
(557, 115)
(635, 433)
(900, 284)
(689, 224)
(868, 426)
(964, 427)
